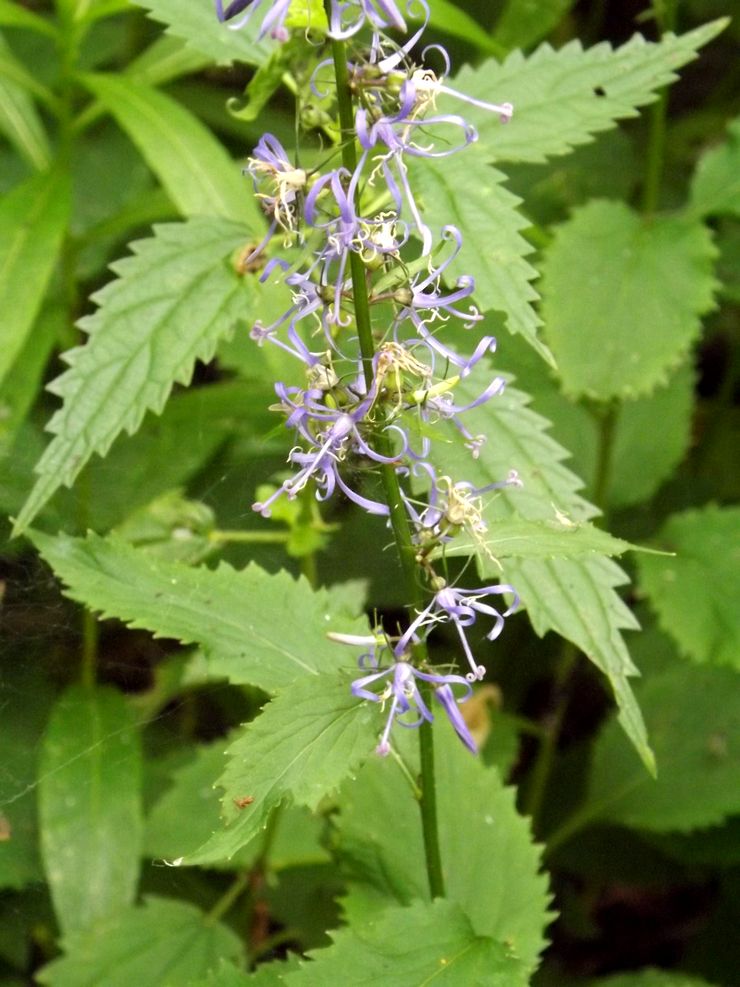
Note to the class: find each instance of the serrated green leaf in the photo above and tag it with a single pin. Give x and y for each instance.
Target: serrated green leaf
(20, 121)
(90, 806)
(194, 169)
(189, 812)
(160, 944)
(412, 946)
(172, 302)
(715, 188)
(574, 597)
(491, 226)
(623, 297)
(694, 719)
(578, 601)
(524, 22)
(228, 975)
(695, 593)
(33, 218)
(639, 464)
(196, 24)
(650, 978)
(490, 864)
(230, 613)
(563, 98)
(518, 538)
(301, 747)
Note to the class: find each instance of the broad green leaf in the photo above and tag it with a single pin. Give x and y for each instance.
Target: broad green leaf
(90, 806)
(171, 303)
(196, 24)
(12, 14)
(229, 975)
(563, 98)
(230, 613)
(188, 812)
(165, 59)
(163, 943)
(467, 193)
(428, 942)
(299, 749)
(574, 597)
(195, 170)
(623, 297)
(715, 188)
(639, 464)
(524, 22)
(695, 593)
(650, 978)
(172, 528)
(491, 866)
(449, 18)
(518, 538)
(33, 218)
(693, 715)
(20, 121)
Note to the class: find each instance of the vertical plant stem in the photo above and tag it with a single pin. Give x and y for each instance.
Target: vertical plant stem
(391, 486)
(665, 16)
(608, 418)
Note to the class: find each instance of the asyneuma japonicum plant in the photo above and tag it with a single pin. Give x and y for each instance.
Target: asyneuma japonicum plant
(377, 385)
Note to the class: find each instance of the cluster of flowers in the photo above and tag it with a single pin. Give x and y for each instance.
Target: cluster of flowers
(356, 410)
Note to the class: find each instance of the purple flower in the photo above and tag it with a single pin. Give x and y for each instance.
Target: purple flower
(401, 689)
(269, 164)
(462, 606)
(380, 13)
(273, 20)
(332, 434)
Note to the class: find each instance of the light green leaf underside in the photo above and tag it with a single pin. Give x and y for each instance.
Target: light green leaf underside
(299, 749)
(467, 193)
(694, 719)
(189, 811)
(20, 121)
(623, 297)
(90, 806)
(33, 219)
(491, 866)
(518, 538)
(426, 943)
(563, 98)
(196, 24)
(524, 22)
(163, 943)
(194, 169)
(696, 593)
(715, 188)
(230, 613)
(170, 305)
(575, 597)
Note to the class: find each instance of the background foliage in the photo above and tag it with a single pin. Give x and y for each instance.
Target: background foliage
(135, 433)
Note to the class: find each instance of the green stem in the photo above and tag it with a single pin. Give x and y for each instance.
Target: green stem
(608, 418)
(227, 900)
(90, 636)
(398, 517)
(540, 774)
(665, 16)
